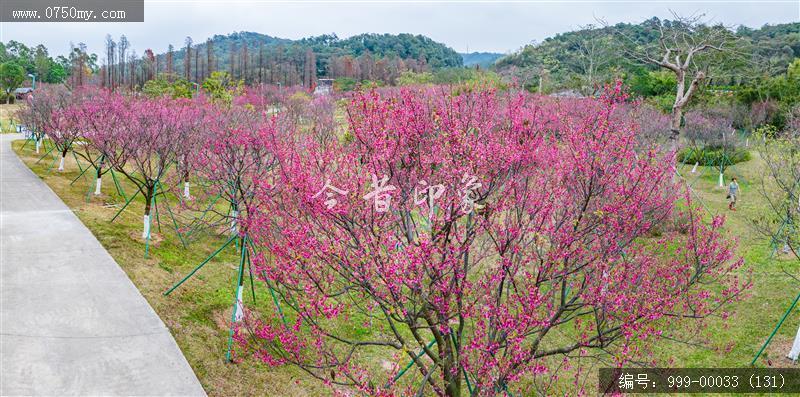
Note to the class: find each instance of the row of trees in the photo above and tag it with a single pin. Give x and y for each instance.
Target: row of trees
(485, 238)
(258, 59)
(18, 61)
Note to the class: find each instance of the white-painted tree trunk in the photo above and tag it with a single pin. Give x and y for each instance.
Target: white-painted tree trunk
(186, 190)
(235, 215)
(38, 143)
(98, 185)
(61, 164)
(747, 142)
(721, 180)
(694, 169)
(146, 226)
(239, 312)
(795, 352)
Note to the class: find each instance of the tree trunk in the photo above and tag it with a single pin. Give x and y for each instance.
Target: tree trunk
(99, 178)
(186, 185)
(61, 163)
(675, 127)
(147, 207)
(452, 382)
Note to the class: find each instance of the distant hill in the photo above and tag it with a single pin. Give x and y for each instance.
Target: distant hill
(561, 56)
(362, 57)
(482, 59)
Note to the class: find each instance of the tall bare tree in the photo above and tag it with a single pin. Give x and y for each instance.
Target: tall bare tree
(122, 47)
(689, 48)
(170, 60)
(594, 52)
(187, 59)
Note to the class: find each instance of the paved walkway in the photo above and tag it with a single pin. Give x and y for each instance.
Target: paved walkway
(72, 322)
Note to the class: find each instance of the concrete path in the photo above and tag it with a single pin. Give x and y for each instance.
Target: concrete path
(72, 322)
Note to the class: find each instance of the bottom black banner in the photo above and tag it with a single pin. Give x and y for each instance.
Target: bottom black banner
(699, 380)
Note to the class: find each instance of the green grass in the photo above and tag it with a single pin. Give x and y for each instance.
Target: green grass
(6, 115)
(198, 313)
(753, 318)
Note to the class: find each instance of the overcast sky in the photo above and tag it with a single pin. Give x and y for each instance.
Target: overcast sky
(496, 26)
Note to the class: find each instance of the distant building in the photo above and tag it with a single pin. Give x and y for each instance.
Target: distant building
(567, 94)
(324, 87)
(22, 92)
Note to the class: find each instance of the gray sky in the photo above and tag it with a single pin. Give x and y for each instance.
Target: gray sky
(497, 26)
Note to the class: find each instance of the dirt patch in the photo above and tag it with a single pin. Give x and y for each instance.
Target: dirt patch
(155, 238)
(775, 354)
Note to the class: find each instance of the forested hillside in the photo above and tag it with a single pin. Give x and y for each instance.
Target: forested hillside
(255, 57)
(482, 59)
(594, 53)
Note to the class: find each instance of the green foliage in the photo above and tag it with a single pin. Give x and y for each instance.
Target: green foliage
(36, 61)
(289, 55)
(344, 84)
(220, 86)
(766, 131)
(11, 76)
(410, 78)
(180, 88)
(465, 76)
(712, 156)
(564, 56)
(653, 83)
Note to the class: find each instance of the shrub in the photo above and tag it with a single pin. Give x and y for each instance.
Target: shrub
(712, 156)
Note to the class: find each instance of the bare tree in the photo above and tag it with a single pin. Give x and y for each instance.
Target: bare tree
(684, 46)
(123, 46)
(780, 189)
(594, 51)
(209, 57)
(170, 59)
(110, 60)
(187, 59)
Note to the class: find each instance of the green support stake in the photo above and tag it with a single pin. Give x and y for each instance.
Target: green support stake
(83, 171)
(411, 363)
(236, 298)
(203, 263)
(269, 287)
(775, 331)
(463, 370)
(47, 153)
(175, 225)
(118, 185)
(78, 162)
(125, 206)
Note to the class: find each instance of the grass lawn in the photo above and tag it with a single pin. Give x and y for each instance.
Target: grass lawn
(198, 313)
(754, 318)
(6, 114)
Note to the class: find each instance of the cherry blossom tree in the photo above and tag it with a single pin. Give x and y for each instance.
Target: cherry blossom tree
(103, 115)
(467, 233)
(143, 143)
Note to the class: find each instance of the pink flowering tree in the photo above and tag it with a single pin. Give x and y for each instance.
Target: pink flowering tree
(236, 160)
(141, 140)
(103, 118)
(53, 113)
(452, 232)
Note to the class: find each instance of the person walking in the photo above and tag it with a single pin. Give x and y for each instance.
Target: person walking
(733, 194)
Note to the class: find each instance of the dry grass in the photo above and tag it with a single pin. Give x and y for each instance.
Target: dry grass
(6, 115)
(199, 312)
